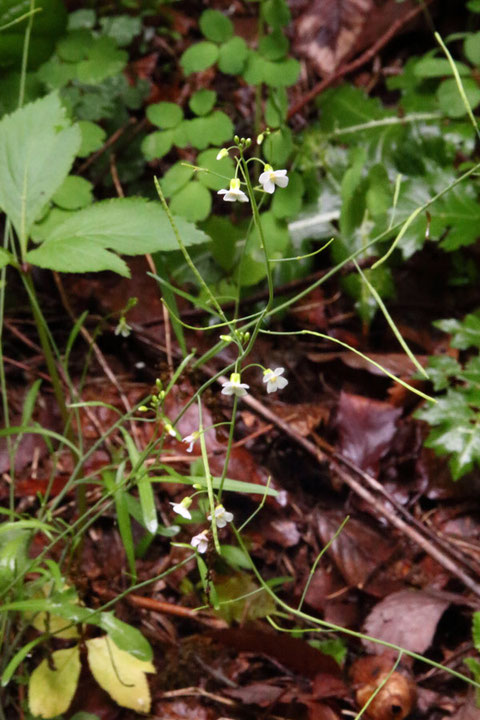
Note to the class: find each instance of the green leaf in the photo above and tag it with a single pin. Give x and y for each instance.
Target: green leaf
(276, 107)
(474, 6)
(122, 28)
(431, 67)
(5, 258)
(93, 137)
(48, 25)
(476, 630)
(120, 674)
(216, 26)
(451, 101)
(346, 106)
(202, 101)
(63, 255)
(130, 226)
(50, 691)
(276, 13)
(465, 333)
(214, 129)
(192, 202)
(82, 19)
(73, 47)
(223, 167)
(224, 236)
(353, 191)
(37, 148)
(287, 202)
(274, 46)
(252, 268)
(365, 304)
(147, 503)
(175, 178)
(165, 115)
(278, 147)
(157, 144)
(282, 73)
(199, 57)
(74, 193)
(459, 213)
(104, 60)
(441, 369)
(232, 56)
(126, 637)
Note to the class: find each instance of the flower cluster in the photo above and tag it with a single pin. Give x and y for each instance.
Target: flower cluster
(220, 516)
(269, 179)
(273, 379)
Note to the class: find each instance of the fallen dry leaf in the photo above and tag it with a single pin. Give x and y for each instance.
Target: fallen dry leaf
(366, 429)
(407, 618)
(393, 701)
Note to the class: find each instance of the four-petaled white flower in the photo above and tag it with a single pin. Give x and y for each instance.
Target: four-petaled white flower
(123, 328)
(234, 193)
(222, 516)
(200, 541)
(270, 177)
(234, 386)
(191, 440)
(274, 379)
(181, 508)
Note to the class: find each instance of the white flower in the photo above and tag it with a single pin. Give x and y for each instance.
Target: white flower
(191, 440)
(274, 380)
(181, 508)
(234, 193)
(234, 386)
(200, 541)
(270, 177)
(170, 430)
(222, 516)
(222, 153)
(123, 328)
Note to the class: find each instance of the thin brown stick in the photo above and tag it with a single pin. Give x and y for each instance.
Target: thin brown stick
(339, 463)
(361, 60)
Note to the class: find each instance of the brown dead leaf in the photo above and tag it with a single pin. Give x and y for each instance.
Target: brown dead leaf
(358, 551)
(327, 31)
(407, 618)
(261, 694)
(283, 532)
(366, 429)
(394, 701)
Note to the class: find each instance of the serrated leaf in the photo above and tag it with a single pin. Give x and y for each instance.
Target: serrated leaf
(37, 148)
(465, 333)
(192, 202)
(441, 369)
(63, 255)
(202, 101)
(459, 212)
(199, 57)
(232, 56)
(73, 47)
(74, 193)
(122, 28)
(129, 226)
(50, 692)
(104, 60)
(346, 106)
(216, 26)
(120, 674)
(165, 115)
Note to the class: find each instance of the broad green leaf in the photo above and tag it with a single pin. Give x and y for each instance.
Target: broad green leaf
(471, 48)
(192, 202)
(459, 213)
(42, 230)
(432, 67)
(126, 637)
(202, 101)
(276, 13)
(157, 144)
(120, 674)
(451, 101)
(274, 46)
(165, 115)
(465, 333)
(198, 57)
(82, 19)
(14, 543)
(5, 258)
(287, 202)
(104, 60)
(65, 255)
(175, 178)
(122, 28)
(74, 193)
(254, 70)
(214, 129)
(93, 137)
(252, 268)
(224, 236)
(232, 56)
(276, 107)
(48, 25)
(441, 369)
(74, 46)
(278, 147)
(37, 148)
(282, 73)
(129, 226)
(56, 74)
(223, 167)
(346, 106)
(216, 26)
(50, 691)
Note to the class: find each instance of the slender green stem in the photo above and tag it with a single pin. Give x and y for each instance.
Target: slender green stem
(208, 478)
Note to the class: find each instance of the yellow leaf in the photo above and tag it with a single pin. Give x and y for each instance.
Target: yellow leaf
(58, 626)
(50, 692)
(122, 675)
